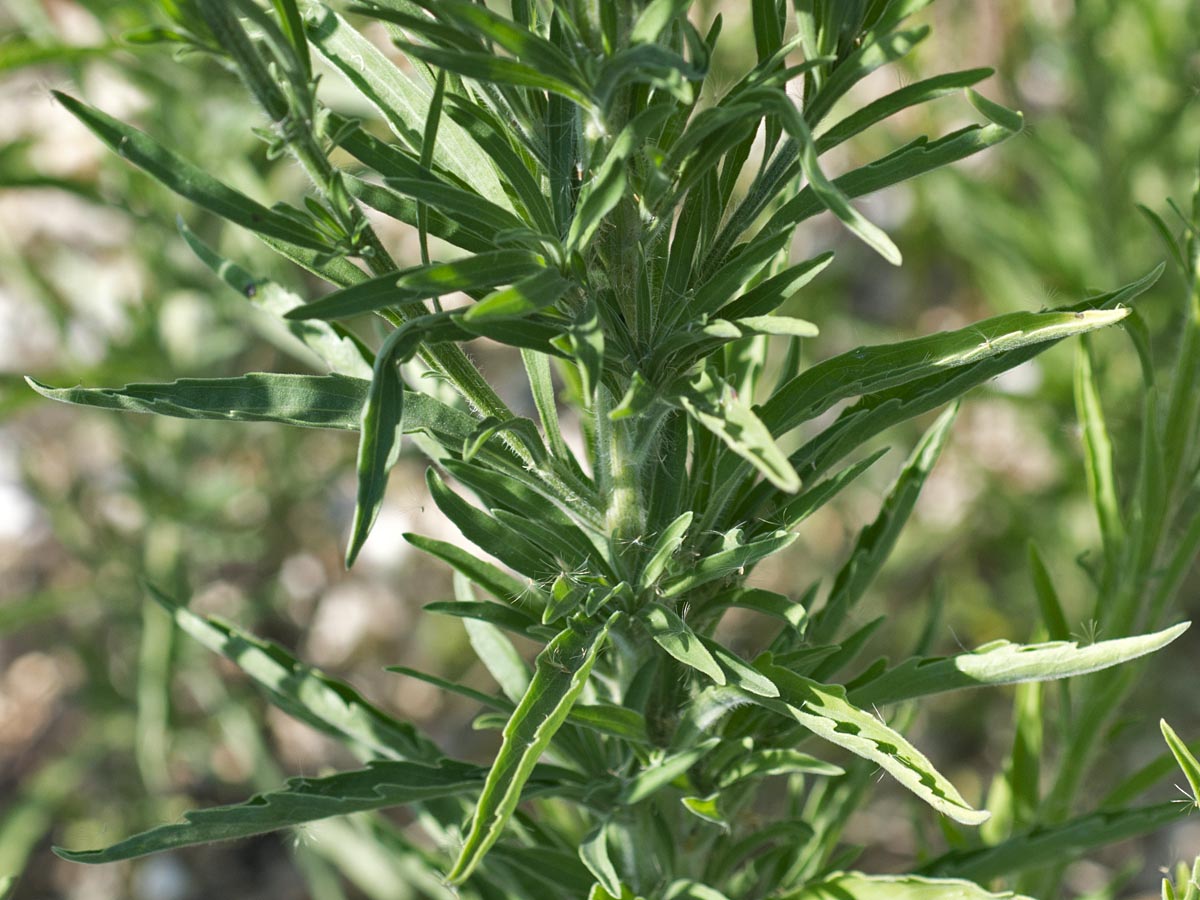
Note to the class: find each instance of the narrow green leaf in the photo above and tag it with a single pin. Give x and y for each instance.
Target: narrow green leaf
(875, 542)
(665, 545)
(778, 606)
(507, 617)
(487, 68)
(809, 501)
(672, 633)
(403, 102)
(339, 350)
(562, 671)
(1165, 236)
(485, 532)
(1186, 759)
(1002, 662)
(498, 656)
(908, 96)
(656, 16)
(742, 431)
(308, 694)
(312, 401)
(685, 889)
(530, 294)
(773, 292)
(523, 43)
(740, 673)
(825, 711)
(301, 800)
(492, 137)
(776, 761)
(1054, 844)
(830, 195)
(608, 718)
(781, 325)
(1047, 597)
(868, 369)
(856, 886)
(663, 771)
(485, 270)
(727, 561)
(593, 850)
(1098, 454)
(541, 386)
(469, 210)
(189, 181)
(378, 444)
(915, 159)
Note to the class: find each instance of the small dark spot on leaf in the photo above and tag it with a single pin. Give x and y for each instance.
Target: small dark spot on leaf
(250, 289)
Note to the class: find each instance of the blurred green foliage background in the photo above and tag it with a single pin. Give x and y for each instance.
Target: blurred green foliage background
(107, 723)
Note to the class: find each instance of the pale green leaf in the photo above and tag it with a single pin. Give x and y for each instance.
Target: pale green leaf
(856, 886)
(825, 711)
(530, 294)
(1002, 662)
(593, 850)
(728, 561)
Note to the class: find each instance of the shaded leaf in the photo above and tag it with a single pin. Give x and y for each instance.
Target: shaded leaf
(301, 800)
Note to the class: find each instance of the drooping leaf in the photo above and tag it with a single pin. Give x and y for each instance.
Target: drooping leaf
(563, 668)
(301, 691)
(344, 354)
(1002, 662)
(824, 710)
(190, 181)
